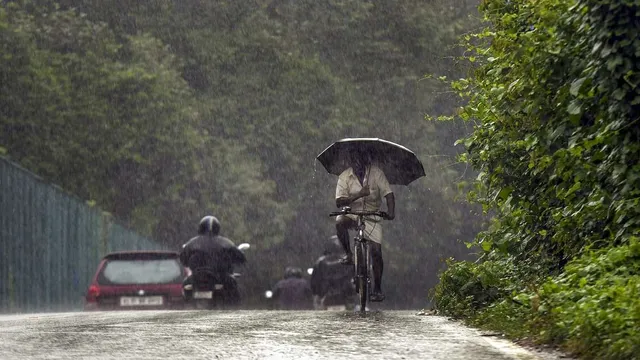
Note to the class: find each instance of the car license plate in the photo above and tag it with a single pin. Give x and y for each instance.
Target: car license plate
(140, 300)
(203, 294)
(337, 308)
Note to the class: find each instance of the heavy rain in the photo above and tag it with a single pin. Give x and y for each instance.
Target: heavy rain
(168, 170)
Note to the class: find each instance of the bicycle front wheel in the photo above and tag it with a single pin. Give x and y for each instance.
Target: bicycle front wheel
(361, 275)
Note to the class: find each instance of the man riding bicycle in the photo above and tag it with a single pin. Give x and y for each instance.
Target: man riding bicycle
(362, 187)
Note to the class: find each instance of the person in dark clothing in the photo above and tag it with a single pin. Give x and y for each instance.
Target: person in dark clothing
(331, 281)
(293, 292)
(209, 253)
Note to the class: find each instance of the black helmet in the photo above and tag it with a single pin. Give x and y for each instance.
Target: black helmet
(333, 246)
(209, 225)
(292, 271)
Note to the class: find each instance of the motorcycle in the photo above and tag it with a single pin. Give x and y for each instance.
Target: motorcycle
(210, 290)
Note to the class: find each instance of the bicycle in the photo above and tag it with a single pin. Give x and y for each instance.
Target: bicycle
(362, 258)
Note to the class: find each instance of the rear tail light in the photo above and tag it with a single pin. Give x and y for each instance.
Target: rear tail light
(93, 293)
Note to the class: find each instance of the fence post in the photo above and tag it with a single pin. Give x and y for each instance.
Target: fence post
(104, 235)
(11, 288)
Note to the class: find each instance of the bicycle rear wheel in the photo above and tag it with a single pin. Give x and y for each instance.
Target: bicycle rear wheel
(361, 276)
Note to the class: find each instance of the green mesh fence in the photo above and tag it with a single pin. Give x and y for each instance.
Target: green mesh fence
(51, 243)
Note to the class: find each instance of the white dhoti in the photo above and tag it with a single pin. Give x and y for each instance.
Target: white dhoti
(372, 228)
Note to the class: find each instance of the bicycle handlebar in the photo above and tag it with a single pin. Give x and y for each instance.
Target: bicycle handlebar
(348, 211)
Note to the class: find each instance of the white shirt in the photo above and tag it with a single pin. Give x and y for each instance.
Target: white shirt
(349, 184)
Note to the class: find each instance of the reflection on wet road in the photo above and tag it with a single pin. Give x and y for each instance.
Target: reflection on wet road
(244, 335)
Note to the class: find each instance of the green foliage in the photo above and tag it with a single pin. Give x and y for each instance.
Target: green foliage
(592, 309)
(466, 287)
(112, 118)
(556, 138)
(594, 306)
(555, 104)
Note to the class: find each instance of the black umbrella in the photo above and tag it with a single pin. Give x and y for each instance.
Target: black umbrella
(400, 165)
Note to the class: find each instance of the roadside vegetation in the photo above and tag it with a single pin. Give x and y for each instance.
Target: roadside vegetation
(555, 105)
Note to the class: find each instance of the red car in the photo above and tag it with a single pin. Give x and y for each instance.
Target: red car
(137, 280)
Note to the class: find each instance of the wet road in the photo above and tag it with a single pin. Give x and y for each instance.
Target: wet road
(245, 335)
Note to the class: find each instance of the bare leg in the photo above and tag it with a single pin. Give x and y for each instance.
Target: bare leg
(378, 267)
(343, 224)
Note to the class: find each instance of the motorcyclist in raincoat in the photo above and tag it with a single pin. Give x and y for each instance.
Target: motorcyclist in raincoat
(211, 253)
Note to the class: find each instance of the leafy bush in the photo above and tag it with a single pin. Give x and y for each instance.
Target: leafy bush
(594, 307)
(466, 287)
(555, 101)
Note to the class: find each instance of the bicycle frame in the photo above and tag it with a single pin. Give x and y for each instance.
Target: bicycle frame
(362, 265)
(362, 260)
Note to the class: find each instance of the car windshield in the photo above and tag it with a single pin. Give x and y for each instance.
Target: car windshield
(160, 271)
